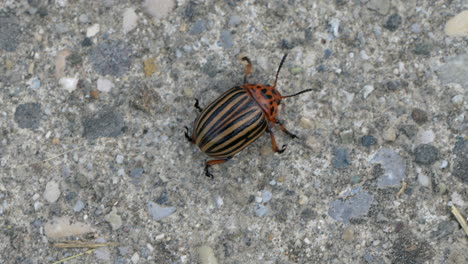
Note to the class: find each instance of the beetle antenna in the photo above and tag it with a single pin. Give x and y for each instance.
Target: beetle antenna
(279, 68)
(301, 92)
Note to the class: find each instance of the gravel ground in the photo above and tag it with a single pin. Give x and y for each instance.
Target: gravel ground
(94, 96)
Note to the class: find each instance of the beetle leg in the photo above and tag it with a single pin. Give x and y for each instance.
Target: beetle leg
(273, 143)
(210, 163)
(197, 106)
(248, 67)
(284, 129)
(189, 138)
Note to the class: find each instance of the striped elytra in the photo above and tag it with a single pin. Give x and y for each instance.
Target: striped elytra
(229, 124)
(237, 118)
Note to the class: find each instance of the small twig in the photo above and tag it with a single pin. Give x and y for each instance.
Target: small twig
(81, 244)
(75, 256)
(459, 218)
(402, 189)
(45, 160)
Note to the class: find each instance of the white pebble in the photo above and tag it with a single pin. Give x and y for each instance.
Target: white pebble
(443, 164)
(457, 99)
(206, 255)
(219, 201)
(363, 55)
(135, 258)
(158, 9)
(266, 196)
(104, 85)
(68, 83)
(366, 90)
(130, 19)
(458, 25)
(52, 192)
(426, 137)
(424, 180)
(119, 159)
(92, 30)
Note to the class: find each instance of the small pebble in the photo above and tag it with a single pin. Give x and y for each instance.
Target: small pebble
(206, 255)
(393, 22)
(366, 90)
(390, 134)
(306, 123)
(347, 136)
(457, 26)
(198, 27)
(119, 159)
(79, 205)
(443, 164)
(457, 100)
(130, 20)
(34, 83)
(368, 141)
(341, 158)
(61, 228)
(52, 192)
(136, 172)
(114, 219)
(68, 83)
(260, 210)
(158, 213)
(92, 30)
(83, 18)
(28, 115)
(424, 180)
(226, 39)
(393, 165)
(219, 201)
(135, 258)
(348, 234)
(426, 154)
(105, 123)
(86, 42)
(419, 116)
(234, 21)
(266, 196)
(415, 28)
(159, 9)
(425, 137)
(380, 6)
(104, 85)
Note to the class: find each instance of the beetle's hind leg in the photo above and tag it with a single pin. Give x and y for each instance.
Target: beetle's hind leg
(273, 143)
(248, 67)
(197, 106)
(210, 163)
(187, 136)
(283, 128)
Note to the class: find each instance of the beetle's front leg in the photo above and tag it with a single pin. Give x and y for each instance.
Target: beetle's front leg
(276, 121)
(197, 106)
(273, 142)
(187, 136)
(210, 163)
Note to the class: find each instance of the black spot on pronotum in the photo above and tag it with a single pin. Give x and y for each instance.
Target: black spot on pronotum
(264, 90)
(272, 109)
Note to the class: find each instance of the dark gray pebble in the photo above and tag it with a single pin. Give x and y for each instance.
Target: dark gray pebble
(460, 168)
(28, 115)
(10, 33)
(419, 116)
(368, 141)
(86, 42)
(226, 39)
(107, 123)
(198, 27)
(422, 49)
(393, 22)
(111, 58)
(341, 158)
(426, 154)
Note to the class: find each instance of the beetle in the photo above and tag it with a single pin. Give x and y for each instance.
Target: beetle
(237, 118)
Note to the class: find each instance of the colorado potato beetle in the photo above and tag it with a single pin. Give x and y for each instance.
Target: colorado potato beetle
(237, 118)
